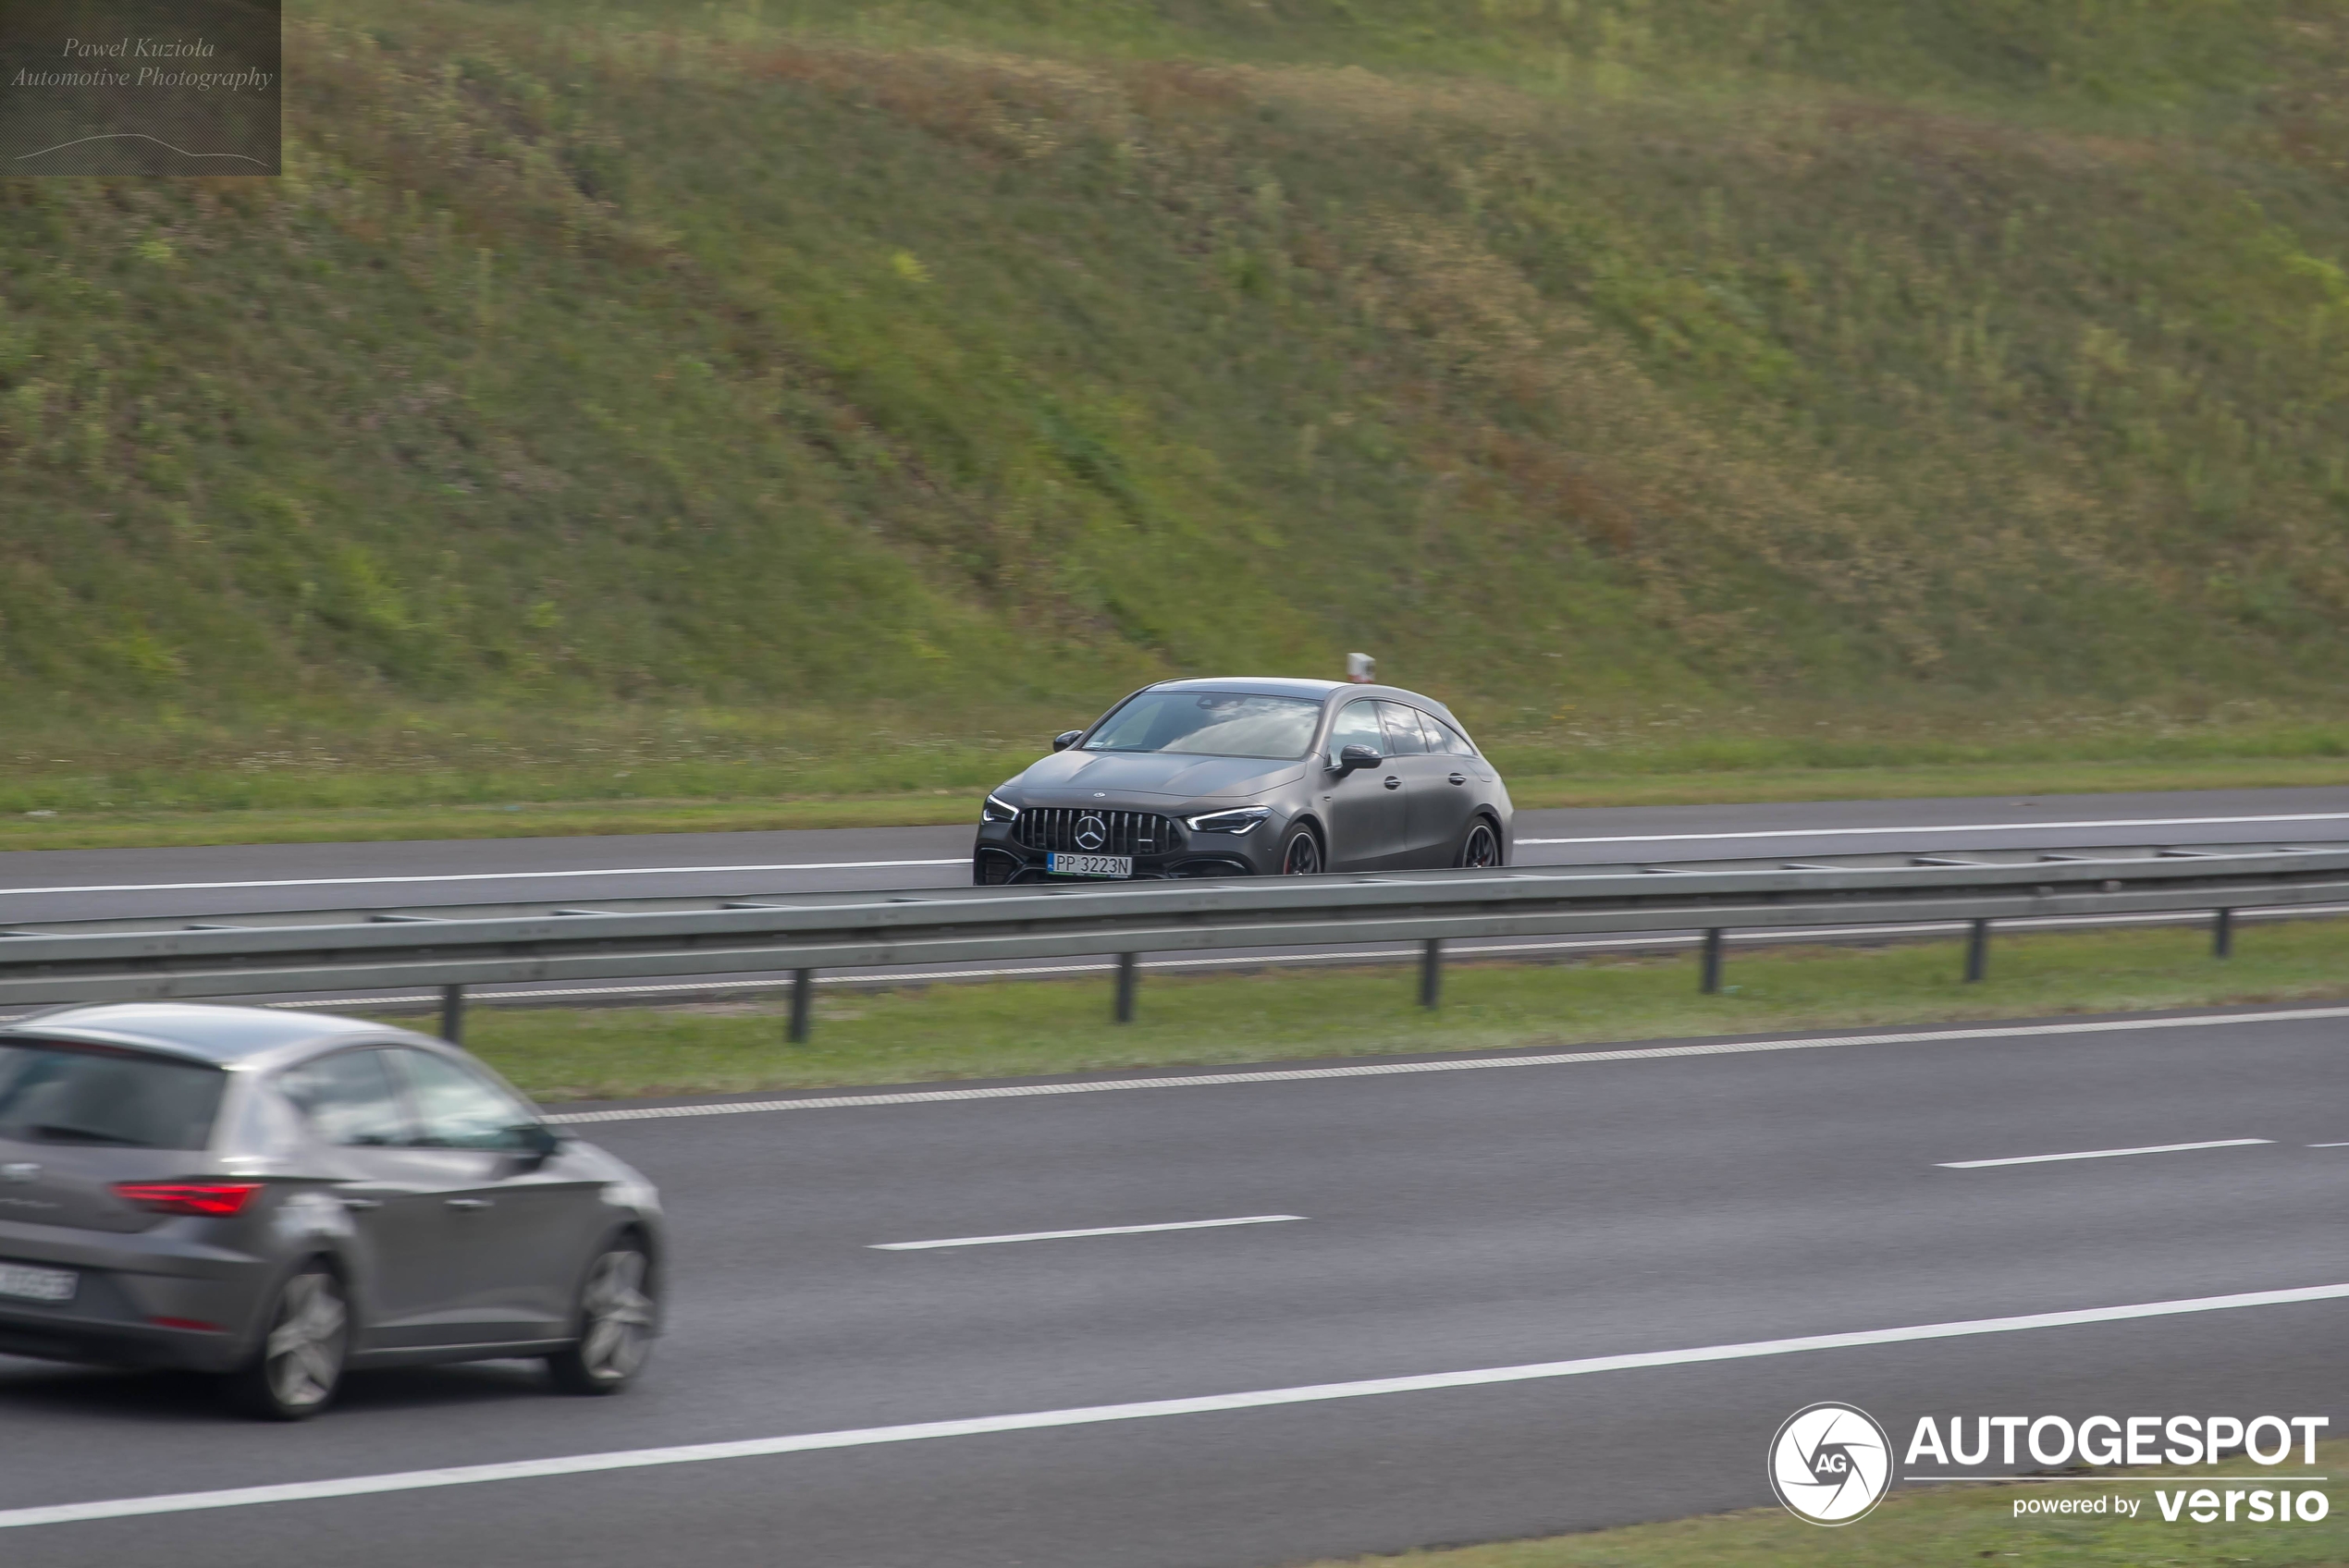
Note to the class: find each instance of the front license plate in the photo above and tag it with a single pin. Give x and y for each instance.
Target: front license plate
(1089, 865)
(25, 1282)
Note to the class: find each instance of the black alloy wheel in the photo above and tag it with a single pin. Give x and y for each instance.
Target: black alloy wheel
(1301, 852)
(1480, 851)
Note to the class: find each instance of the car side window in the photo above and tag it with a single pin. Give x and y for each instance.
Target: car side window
(457, 1109)
(1441, 737)
(1356, 725)
(1403, 738)
(348, 1099)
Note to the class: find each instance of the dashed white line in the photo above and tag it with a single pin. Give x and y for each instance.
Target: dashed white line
(1258, 1399)
(1948, 827)
(1449, 1064)
(2100, 1154)
(1096, 1230)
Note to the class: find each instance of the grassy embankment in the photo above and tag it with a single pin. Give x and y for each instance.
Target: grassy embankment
(1019, 1028)
(654, 401)
(1938, 1528)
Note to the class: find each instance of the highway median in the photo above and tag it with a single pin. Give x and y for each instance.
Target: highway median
(880, 1032)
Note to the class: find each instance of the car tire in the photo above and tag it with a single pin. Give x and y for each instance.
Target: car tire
(1480, 847)
(616, 1317)
(297, 1366)
(1301, 852)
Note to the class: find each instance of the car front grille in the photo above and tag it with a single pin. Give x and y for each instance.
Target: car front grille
(1120, 832)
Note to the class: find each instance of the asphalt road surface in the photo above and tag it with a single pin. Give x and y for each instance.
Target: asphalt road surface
(1406, 1224)
(238, 879)
(249, 878)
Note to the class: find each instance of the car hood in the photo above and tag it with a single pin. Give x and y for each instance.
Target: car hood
(1176, 776)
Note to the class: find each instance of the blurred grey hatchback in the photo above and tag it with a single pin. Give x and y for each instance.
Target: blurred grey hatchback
(277, 1197)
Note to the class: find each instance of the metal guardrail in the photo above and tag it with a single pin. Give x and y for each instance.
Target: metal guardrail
(455, 947)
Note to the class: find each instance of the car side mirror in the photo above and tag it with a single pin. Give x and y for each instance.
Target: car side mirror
(1353, 759)
(1066, 738)
(535, 1145)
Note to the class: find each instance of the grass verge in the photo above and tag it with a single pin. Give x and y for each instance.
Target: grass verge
(1019, 1028)
(1933, 1527)
(159, 829)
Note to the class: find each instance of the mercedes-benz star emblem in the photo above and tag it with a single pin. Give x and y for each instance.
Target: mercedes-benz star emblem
(1091, 832)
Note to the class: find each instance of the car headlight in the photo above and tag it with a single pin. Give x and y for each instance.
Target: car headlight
(1238, 821)
(997, 810)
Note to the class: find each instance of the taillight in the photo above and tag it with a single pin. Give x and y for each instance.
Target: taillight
(210, 1198)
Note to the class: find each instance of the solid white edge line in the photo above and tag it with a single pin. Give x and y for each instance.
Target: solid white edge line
(480, 877)
(2098, 1154)
(1467, 1064)
(1944, 828)
(755, 1448)
(1096, 1230)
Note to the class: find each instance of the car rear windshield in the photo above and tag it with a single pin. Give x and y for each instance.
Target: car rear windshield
(1215, 724)
(52, 1094)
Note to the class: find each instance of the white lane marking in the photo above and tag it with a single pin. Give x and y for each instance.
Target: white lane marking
(479, 876)
(957, 860)
(1097, 1231)
(1085, 1416)
(2328, 1146)
(2099, 1153)
(1454, 1064)
(1947, 828)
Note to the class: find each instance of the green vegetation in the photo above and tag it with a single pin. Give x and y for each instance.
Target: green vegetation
(1934, 1527)
(655, 400)
(1019, 1028)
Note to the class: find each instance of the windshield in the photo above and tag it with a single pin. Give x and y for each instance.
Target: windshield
(1214, 724)
(61, 1095)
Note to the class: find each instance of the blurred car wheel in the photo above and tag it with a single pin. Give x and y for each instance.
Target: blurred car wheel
(1301, 852)
(1481, 850)
(295, 1372)
(616, 1324)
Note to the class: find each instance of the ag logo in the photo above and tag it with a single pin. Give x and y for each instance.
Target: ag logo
(1830, 1463)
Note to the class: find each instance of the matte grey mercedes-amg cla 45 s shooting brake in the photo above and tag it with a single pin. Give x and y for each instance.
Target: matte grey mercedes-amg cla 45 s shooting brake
(1250, 777)
(277, 1197)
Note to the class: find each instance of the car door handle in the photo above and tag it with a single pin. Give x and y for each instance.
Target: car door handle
(1392, 782)
(361, 1205)
(1459, 779)
(468, 1203)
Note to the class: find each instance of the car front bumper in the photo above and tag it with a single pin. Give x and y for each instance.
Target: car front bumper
(999, 856)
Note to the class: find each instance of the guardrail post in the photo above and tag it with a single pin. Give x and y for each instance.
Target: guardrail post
(452, 1015)
(1127, 972)
(803, 1004)
(1709, 976)
(1977, 951)
(2223, 934)
(1431, 971)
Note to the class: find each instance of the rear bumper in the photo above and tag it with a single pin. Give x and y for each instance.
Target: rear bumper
(153, 1298)
(120, 1345)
